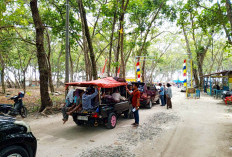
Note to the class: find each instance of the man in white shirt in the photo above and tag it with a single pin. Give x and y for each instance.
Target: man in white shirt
(117, 96)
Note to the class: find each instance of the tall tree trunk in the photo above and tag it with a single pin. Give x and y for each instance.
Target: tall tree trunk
(49, 64)
(88, 38)
(144, 70)
(41, 55)
(195, 73)
(200, 61)
(120, 38)
(2, 74)
(86, 55)
(111, 38)
(117, 51)
(121, 47)
(24, 81)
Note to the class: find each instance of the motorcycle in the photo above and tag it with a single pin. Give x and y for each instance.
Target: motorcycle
(17, 109)
(226, 94)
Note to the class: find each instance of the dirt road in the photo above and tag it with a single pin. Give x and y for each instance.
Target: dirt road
(193, 128)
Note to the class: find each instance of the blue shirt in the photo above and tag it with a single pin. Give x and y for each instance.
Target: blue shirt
(69, 104)
(162, 90)
(86, 100)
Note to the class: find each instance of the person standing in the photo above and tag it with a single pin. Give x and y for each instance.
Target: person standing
(135, 102)
(169, 96)
(165, 93)
(161, 94)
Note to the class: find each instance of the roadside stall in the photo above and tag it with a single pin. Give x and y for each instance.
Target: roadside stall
(105, 112)
(216, 83)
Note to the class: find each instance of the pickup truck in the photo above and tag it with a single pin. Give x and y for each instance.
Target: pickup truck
(149, 94)
(106, 112)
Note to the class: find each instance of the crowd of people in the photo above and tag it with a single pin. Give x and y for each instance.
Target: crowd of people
(165, 95)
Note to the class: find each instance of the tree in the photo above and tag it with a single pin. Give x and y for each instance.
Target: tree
(41, 56)
(2, 74)
(88, 38)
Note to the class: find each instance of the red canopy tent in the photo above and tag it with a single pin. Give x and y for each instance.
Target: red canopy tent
(108, 82)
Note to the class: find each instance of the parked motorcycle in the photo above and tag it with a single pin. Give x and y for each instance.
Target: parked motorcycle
(226, 94)
(17, 109)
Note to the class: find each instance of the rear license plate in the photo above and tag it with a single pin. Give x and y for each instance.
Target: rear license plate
(82, 118)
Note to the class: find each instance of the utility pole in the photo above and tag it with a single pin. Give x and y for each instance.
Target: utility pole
(67, 53)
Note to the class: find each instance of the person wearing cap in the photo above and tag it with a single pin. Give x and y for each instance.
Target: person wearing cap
(135, 102)
(169, 96)
(87, 98)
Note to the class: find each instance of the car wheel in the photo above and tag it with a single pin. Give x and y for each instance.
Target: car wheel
(149, 105)
(112, 121)
(14, 151)
(24, 112)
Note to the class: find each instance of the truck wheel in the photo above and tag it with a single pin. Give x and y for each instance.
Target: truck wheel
(112, 121)
(149, 105)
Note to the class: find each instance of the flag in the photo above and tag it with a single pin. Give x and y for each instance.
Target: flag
(121, 31)
(185, 73)
(118, 72)
(103, 70)
(138, 71)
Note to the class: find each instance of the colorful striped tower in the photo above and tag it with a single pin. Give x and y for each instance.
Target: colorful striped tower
(138, 71)
(185, 73)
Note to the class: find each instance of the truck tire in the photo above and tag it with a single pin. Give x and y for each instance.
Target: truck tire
(112, 121)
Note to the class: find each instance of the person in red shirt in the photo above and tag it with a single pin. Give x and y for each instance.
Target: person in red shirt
(135, 102)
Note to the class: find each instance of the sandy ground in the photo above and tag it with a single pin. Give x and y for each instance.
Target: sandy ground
(193, 128)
